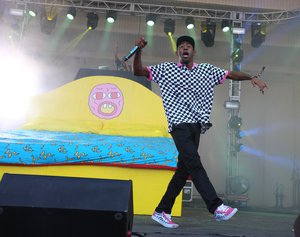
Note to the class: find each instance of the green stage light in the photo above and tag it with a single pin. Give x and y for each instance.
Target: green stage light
(32, 13)
(111, 16)
(71, 13)
(190, 23)
(32, 10)
(225, 25)
(150, 19)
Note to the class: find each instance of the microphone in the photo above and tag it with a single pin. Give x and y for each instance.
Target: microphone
(132, 52)
(262, 70)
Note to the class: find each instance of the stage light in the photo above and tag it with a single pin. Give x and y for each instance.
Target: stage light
(208, 30)
(111, 16)
(235, 122)
(232, 104)
(237, 54)
(150, 19)
(258, 34)
(239, 134)
(238, 147)
(92, 20)
(169, 26)
(190, 23)
(225, 25)
(51, 12)
(32, 11)
(47, 26)
(71, 13)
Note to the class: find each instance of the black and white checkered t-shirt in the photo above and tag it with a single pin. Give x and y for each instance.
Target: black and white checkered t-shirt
(187, 94)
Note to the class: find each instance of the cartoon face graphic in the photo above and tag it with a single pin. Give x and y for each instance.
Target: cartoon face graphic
(106, 101)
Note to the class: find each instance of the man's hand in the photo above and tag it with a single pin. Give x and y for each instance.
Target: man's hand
(141, 43)
(261, 84)
(138, 68)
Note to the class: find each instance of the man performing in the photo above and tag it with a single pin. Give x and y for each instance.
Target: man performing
(187, 95)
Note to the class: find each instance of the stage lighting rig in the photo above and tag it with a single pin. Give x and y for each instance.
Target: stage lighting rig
(237, 54)
(47, 25)
(92, 20)
(208, 30)
(111, 16)
(71, 13)
(169, 26)
(235, 122)
(151, 19)
(258, 34)
(225, 25)
(32, 10)
(190, 23)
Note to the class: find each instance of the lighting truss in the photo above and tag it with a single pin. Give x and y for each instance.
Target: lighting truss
(165, 10)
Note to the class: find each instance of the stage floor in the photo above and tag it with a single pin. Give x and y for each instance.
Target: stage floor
(197, 222)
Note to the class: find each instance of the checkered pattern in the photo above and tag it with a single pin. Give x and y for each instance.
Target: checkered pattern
(187, 94)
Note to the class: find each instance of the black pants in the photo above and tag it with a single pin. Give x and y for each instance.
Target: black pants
(186, 137)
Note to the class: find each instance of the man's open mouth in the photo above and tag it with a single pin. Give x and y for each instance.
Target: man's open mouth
(185, 55)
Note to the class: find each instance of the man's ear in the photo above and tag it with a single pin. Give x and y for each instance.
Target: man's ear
(176, 53)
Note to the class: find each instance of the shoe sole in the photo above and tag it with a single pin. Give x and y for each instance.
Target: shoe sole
(164, 224)
(226, 218)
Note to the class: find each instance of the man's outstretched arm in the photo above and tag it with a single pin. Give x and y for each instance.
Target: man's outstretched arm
(241, 76)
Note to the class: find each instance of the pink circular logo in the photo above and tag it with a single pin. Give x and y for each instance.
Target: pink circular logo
(106, 101)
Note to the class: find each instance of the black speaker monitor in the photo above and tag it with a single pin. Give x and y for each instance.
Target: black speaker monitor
(52, 206)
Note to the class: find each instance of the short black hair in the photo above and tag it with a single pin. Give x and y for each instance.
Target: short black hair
(185, 38)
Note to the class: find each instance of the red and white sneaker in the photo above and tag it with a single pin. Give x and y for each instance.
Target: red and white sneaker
(224, 213)
(164, 219)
